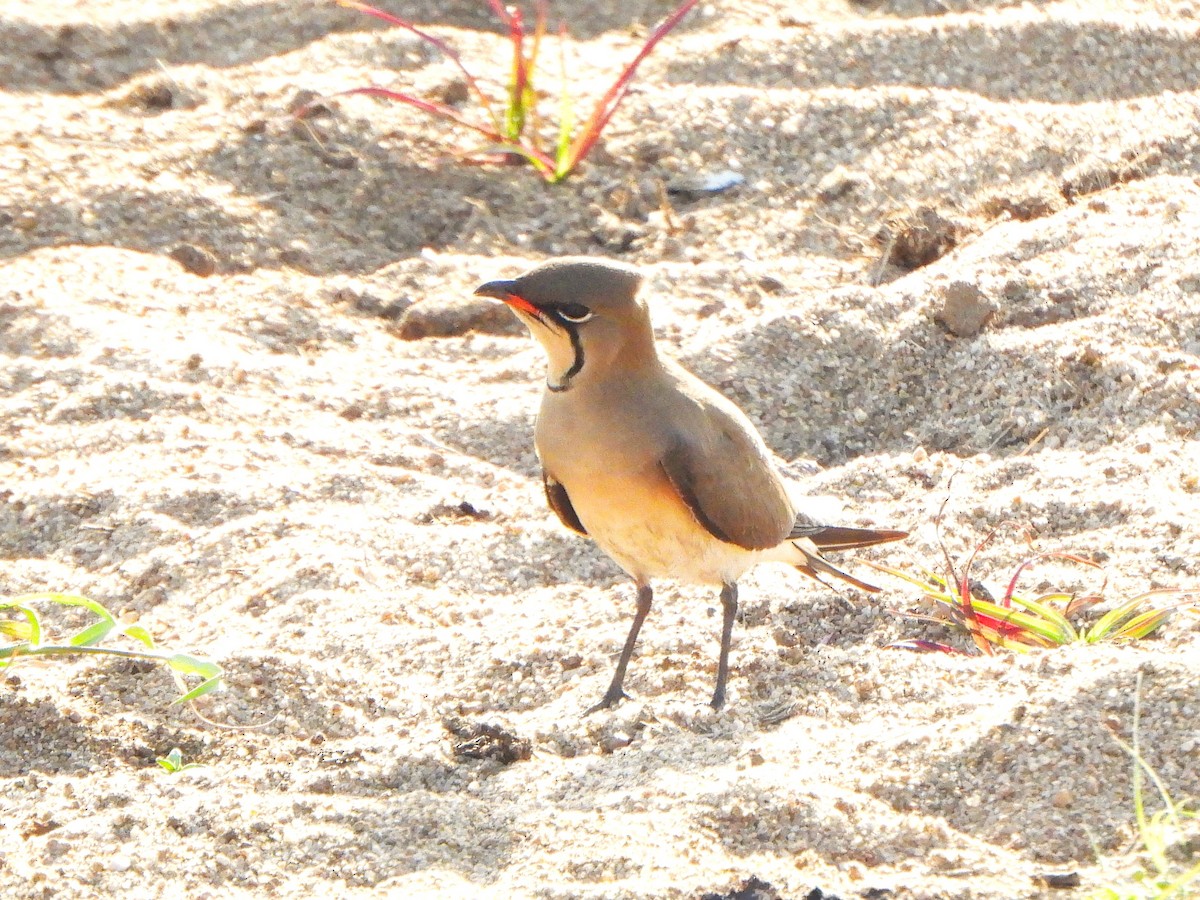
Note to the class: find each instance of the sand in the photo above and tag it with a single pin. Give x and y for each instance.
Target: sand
(218, 418)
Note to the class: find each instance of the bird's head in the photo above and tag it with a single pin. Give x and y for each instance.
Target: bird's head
(585, 313)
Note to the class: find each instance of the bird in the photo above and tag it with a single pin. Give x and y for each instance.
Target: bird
(666, 475)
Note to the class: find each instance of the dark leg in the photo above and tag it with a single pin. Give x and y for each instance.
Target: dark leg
(615, 693)
(729, 607)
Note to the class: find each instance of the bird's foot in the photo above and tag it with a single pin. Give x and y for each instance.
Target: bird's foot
(611, 698)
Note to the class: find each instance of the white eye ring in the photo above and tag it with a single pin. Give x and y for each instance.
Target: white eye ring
(576, 320)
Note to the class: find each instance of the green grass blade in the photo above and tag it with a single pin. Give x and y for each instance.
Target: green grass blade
(1175, 887)
(1116, 618)
(9, 654)
(186, 664)
(1099, 631)
(1025, 622)
(138, 633)
(84, 642)
(27, 632)
(16, 630)
(1041, 607)
(199, 690)
(933, 585)
(1151, 838)
(173, 761)
(520, 89)
(566, 113)
(92, 635)
(65, 600)
(1142, 625)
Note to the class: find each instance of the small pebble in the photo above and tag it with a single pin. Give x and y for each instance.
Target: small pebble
(195, 259)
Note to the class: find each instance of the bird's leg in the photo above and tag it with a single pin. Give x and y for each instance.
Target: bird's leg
(615, 692)
(729, 608)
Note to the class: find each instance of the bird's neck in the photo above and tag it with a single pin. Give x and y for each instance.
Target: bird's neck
(637, 356)
(593, 367)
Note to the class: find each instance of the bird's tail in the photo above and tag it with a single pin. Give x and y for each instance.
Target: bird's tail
(810, 540)
(836, 537)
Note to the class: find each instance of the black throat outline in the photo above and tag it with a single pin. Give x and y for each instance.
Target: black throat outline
(565, 382)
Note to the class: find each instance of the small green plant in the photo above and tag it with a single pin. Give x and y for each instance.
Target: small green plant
(1160, 834)
(173, 762)
(512, 129)
(28, 638)
(1020, 623)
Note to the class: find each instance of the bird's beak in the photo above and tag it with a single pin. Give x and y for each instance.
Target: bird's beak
(503, 291)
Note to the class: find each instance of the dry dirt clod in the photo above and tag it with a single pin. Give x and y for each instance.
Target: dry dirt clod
(153, 95)
(483, 740)
(1058, 879)
(769, 284)
(195, 259)
(365, 302)
(838, 182)
(303, 103)
(451, 318)
(965, 310)
(1024, 207)
(920, 237)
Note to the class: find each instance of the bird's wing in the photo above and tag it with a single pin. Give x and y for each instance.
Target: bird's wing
(720, 470)
(560, 502)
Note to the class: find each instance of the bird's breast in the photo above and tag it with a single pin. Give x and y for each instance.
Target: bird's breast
(606, 427)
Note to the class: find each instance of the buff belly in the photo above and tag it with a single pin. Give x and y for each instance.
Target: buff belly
(650, 533)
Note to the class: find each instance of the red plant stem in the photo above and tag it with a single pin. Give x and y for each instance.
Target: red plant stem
(542, 12)
(429, 106)
(609, 102)
(1070, 557)
(501, 13)
(449, 51)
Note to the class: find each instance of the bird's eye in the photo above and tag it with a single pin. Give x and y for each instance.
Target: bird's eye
(574, 312)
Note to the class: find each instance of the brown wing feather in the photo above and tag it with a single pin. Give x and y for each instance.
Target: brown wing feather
(560, 502)
(730, 487)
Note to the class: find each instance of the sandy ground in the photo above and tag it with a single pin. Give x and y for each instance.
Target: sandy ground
(216, 418)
